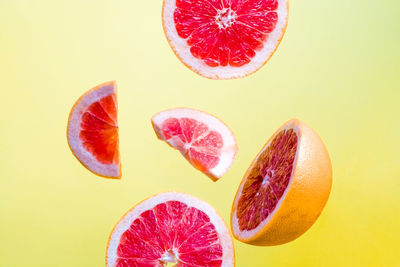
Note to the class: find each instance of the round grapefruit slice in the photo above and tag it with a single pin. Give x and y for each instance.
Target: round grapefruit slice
(224, 39)
(170, 228)
(285, 189)
(205, 141)
(92, 131)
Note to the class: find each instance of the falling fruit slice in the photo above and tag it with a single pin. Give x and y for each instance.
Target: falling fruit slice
(170, 228)
(205, 141)
(93, 131)
(285, 189)
(224, 39)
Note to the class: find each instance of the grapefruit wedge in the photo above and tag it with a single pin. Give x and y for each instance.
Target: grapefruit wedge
(224, 39)
(205, 141)
(170, 228)
(285, 189)
(92, 131)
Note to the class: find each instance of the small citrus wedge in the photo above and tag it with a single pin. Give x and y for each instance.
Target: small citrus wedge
(205, 141)
(224, 39)
(170, 228)
(285, 188)
(92, 131)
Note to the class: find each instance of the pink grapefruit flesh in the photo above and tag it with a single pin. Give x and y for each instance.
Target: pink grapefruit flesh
(285, 188)
(203, 140)
(93, 130)
(170, 228)
(224, 39)
(268, 180)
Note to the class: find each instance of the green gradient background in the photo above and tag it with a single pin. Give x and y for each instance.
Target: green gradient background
(337, 68)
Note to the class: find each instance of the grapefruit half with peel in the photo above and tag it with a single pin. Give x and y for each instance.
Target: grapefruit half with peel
(205, 141)
(285, 189)
(170, 228)
(224, 39)
(92, 130)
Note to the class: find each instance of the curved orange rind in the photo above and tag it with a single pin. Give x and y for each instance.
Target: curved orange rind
(304, 198)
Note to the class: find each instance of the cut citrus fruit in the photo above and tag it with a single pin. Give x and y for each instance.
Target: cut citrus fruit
(285, 189)
(205, 141)
(170, 228)
(224, 39)
(93, 131)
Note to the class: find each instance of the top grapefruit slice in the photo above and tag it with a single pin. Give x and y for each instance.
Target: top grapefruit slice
(170, 228)
(285, 189)
(224, 39)
(205, 141)
(93, 131)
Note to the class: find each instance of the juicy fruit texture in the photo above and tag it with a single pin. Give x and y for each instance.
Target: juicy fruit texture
(151, 237)
(222, 32)
(99, 130)
(267, 181)
(224, 39)
(200, 146)
(202, 139)
(93, 131)
(170, 228)
(285, 188)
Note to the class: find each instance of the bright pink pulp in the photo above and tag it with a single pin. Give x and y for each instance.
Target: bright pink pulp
(99, 130)
(225, 32)
(267, 181)
(170, 228)
(200, 146)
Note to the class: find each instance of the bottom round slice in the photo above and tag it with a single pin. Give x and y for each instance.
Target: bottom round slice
(167, 228)
(285, 188)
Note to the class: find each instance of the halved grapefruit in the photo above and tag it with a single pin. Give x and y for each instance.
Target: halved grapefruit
(170, 228)
(285, 189)
(92, 130)
(224, 39)
(205, 141)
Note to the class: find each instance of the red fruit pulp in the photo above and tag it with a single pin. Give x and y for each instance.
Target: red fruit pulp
(225, 32)
(267, 181)
(170, 232)
(200, 146)
(99, 130)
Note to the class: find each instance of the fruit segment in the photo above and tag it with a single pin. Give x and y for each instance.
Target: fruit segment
(285, 188)
(202, 139)
(93, 131)
(194, 140)
(224, 39)
(170, 228)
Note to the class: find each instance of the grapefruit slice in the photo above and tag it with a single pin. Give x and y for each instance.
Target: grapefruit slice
(170, 228)
(285, 189)
(92, 131)
(205, 141)
(224, 39)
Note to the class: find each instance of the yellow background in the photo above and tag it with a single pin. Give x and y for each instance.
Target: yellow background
(337, 68)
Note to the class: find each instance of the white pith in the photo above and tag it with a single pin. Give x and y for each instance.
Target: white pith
(182, 49)
(224, 20)
(74, 128)
(229, 149)
(190, 201)
(169, 257)
(248, 234)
